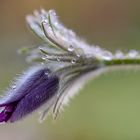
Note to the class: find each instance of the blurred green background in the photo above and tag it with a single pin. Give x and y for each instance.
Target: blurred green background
(108, 108)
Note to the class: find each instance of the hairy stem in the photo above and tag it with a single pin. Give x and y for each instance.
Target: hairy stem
(125, 61)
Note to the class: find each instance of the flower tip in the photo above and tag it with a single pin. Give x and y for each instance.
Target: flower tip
(6, 113)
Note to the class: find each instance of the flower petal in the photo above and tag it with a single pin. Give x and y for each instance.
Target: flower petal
(27, 82)
(37, 97)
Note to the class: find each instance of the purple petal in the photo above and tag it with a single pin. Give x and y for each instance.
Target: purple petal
(37, 96)
(25, 84)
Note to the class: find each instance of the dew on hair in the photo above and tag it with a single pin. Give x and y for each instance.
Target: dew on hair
(1, 109)
(107, 55)
(46, 73)
(73, 61)
(58, 59)
(119, 54)
(41, 48)
(79, 52)
(46, 56)
(43, 58)
(70, 48)
(78, 55)
(13, 87)
(132, 54)
(45, 21)
(56, 23)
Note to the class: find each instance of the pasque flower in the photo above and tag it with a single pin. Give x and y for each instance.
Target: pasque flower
(66, 63)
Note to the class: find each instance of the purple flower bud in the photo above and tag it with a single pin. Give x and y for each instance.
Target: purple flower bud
(33, 90)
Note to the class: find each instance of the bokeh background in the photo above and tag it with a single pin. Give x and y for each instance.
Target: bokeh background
(108, 108)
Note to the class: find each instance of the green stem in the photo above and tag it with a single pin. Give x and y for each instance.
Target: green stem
(125, 61)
